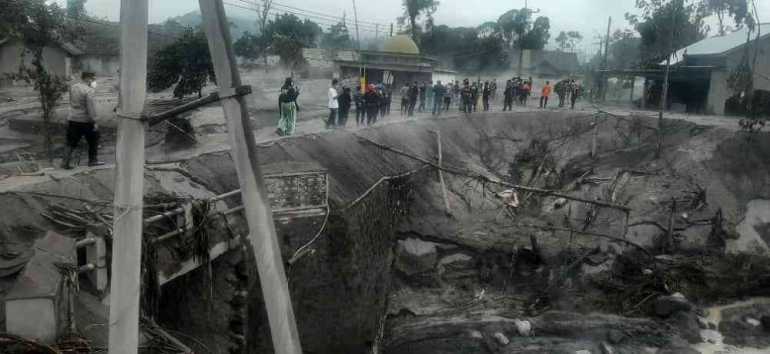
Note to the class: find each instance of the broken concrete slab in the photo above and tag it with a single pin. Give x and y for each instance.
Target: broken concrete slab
(40, 293)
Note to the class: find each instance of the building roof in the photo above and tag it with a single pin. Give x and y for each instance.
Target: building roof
(401, 44)
(714, 45)
(65, 46)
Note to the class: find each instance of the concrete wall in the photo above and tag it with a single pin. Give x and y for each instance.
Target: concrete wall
(54, 59)
(719, 92)
(101, 65)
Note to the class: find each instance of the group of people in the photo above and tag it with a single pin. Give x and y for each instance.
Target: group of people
(375, 101)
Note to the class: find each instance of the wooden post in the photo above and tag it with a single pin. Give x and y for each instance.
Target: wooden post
(129, 180)
(595, 134)
(664, 94)
(644, 93)
(262, 238)
(633, 83)
(441, 175)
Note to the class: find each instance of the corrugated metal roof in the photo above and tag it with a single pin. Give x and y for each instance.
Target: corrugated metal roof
(713, 45)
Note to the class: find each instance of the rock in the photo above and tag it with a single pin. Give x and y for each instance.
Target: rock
(665, 306)
(702, 323)
(606, 348)
(712, 326)
(615, 337)
(712, 340)
(457, 261)
(765, 320)
(596, 259)
(475, 334)
(559, 203)
(753, 321)
(523, 327)
(415, 256)
(686, 324)
(501, 339)
(582, 352)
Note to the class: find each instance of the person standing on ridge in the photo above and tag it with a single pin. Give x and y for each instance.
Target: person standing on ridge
(344, 101)
(457, 91)
(423, 93)
(474, 96)
(486, 93)
(544, 94)
(414, 92)
(465, 94)
(429, 94)
(575, 93)
(333, 104)
(438, 95)
(493, 87)
(81, 121)
(405, 99)
(448, 96)
(372, 102)
(508, 96)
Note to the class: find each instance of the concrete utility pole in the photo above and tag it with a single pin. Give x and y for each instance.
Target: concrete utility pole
(262, 238)
(664, 94)
(129, 180)
(606, 59)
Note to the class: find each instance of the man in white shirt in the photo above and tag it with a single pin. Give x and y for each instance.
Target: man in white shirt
(333, 104)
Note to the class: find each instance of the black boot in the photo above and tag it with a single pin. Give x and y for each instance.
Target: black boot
(67, 158)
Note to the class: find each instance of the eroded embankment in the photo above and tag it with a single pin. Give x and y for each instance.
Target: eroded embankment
(365, 264)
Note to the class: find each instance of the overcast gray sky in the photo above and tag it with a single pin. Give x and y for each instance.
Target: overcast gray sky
(587, 16)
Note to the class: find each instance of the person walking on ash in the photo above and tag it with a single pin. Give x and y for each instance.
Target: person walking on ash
(81, 121)
(288, 108)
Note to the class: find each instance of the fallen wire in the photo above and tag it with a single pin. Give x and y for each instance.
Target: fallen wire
(485, 179)
(296, 254)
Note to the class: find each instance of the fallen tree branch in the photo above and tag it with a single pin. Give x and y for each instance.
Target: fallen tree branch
(616, 238)
(485, 179)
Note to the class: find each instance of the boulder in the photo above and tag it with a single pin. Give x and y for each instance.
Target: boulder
(606, 348)
(582, 352)
(677, 350)
(523, 327)
(501, 339)
(415, 256)
(665, 306)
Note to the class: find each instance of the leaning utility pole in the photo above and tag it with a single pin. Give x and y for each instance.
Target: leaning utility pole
(664, 94)
(129, 180)
(606, 59)
(262, 238)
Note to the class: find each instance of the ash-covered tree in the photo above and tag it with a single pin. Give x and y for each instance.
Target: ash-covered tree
(521, 32)
(655, 26)
(337, 38)
(413, 9)
(737, 9)
(37, 25)
(568, 41)
(248, 46)
(288, 35)
(186, 62)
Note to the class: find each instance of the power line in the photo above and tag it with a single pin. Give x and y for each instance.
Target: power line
(275, 15)
(333, 19)
(318, 13)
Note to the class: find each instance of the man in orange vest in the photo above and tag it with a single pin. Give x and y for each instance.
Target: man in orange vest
(544, 94)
